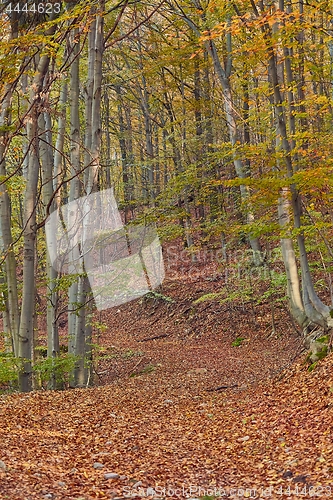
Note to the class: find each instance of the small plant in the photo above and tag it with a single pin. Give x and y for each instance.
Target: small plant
(104, 353)
(312, 366)
(98, 325)
(146, 369)
(208, 296)
(128, 354)
(318, 351)
(237, 342)
(324, 339)
(58, 368)
(41, 351)
(157, 297)
(225, 296)
(9, 369)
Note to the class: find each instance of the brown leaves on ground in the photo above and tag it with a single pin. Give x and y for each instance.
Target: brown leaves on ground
(158, 427)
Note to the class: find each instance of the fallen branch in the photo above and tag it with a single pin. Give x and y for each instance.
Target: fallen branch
(153, 338)
(222, 387)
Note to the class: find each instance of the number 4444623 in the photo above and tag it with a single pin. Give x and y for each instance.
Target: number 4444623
(305, 491)
(40, 8)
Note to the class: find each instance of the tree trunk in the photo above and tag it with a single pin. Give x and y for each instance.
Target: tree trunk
(315, 310)
(58, 167)
(47, 161)
(124, 152)
(5, 221)
(82, 327)
(74, 191)
(289, 259)
(29, 231)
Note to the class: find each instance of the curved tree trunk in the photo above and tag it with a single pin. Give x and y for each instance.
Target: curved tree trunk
(315, 310)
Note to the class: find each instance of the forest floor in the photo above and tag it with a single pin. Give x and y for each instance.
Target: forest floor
(189, 413)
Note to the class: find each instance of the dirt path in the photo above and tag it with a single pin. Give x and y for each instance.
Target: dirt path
(156, 428)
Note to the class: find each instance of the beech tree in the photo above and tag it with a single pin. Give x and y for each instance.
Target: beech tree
(309, 310)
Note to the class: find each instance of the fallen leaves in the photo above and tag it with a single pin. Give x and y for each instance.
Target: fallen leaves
(163, 431)
(193, 440)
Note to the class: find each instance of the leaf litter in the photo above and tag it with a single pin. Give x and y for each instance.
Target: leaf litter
(186, 414)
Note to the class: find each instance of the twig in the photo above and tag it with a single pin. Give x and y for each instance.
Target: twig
(222, 387)
(153, 338)
(137, 364)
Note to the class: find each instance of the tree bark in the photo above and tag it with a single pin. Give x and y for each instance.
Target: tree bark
(5, 221)
(74, 190)
(316, 311)
(26, 332)
(47, 161)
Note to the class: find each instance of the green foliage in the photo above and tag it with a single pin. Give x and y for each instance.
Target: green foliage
(237, 342)
(63, 282)
(169, 232)
(207, 297)
(128, 354)
(320, 354)
(6, 128)
(98, 325)
(243, 293)
(276, 290)
(157, 297)
(9, 369)
(318, 351)
(58, 368)
(312, 366)
(324, 339)
(323, 353)
(101, 352)
(146, 369)
(41, 351)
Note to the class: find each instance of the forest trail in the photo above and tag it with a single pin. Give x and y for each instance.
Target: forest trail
(157, 426)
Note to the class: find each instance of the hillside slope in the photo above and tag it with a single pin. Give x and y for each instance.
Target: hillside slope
(187, 413)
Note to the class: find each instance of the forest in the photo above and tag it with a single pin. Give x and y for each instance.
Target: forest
(166, 202)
